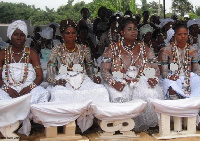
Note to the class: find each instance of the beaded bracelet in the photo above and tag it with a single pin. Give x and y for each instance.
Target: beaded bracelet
(4, 87)
(37, 67)
(112, 83)
(32, 85)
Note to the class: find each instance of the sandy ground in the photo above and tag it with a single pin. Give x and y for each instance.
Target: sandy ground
(91, 134)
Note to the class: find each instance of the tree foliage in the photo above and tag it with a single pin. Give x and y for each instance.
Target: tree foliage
(197, 11)
(37, 16)
(182, 7)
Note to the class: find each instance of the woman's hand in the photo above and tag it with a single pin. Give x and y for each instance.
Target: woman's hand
(61, 82)
(131, 80)
(97, 79)
(25, 90)
(119, 86)
(171, 91)
(152, 82)
(12, 93)
(174, 77)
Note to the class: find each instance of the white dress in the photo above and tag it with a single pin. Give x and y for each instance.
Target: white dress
(88, 91)
(38, 94)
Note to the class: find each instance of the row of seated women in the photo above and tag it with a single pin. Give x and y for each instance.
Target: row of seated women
(129, 70)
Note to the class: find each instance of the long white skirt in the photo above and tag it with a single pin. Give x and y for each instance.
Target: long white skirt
(141, 91)
(38, 94)
(88, 91)
(177, 86)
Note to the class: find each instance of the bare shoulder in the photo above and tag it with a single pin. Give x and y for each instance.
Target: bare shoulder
(2, 54)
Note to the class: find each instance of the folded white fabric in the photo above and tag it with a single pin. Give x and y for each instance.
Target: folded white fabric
(13, 110)
(188, 107)
(58, 113)
(118, 111)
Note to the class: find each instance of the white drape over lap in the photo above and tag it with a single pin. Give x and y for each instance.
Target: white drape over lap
(118, 111)
(58, 113)
(188, 107)
(13, 110)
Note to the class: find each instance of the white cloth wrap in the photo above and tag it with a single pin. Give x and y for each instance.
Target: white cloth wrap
(118, 111)
(177, 86)
(145, 29)
(163, 22)
(144, 91)
(117, 96)
(170, 34)
(188, 107)
(21, 25)
(47, 33)
(192, 22)
(38, 94)
(59, 113)
(88, 91)
(13, 110)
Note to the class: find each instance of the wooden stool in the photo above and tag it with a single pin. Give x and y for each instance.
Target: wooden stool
(8, 134)
(176, 111)
(51, 134)
(123, 126)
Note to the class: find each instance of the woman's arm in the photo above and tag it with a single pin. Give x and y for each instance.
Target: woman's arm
(163, 62)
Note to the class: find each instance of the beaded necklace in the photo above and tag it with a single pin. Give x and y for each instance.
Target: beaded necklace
(62, 55)
(186, 65)
(26, 56)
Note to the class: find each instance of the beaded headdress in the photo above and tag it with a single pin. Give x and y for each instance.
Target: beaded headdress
(64, 24)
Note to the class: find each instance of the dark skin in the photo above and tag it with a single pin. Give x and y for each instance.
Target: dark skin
(18, 39)
(69, 35)
(130, 33)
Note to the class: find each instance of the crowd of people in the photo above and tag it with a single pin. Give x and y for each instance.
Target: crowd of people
(117, 59)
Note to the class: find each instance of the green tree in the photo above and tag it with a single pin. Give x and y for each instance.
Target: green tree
(181, 7)
(197, 11)
(144, 6)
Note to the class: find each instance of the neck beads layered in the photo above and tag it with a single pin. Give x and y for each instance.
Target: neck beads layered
(185, 66)
(118, 61)
(25, 55)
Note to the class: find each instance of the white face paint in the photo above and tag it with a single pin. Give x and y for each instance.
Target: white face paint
(149, 72)
(63, 69)
(173, 67)
(117, 74)
(77, 67)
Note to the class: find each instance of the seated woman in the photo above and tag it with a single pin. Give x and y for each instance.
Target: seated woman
(179, 63)
(20, 69)
(66, 70)
(130, 71)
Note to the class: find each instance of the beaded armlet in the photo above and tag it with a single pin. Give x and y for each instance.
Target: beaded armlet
(37, 67)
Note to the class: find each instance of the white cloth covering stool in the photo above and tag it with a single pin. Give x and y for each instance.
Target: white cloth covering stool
(181, 109)
(53, 114)
(11, 112)
(117, 117)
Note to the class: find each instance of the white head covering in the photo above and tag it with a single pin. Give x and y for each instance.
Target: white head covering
(192, 22)
(186, 16)
(21, 25)
(47, 33)
(170, 34)
(145, 29)
(163, 22)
